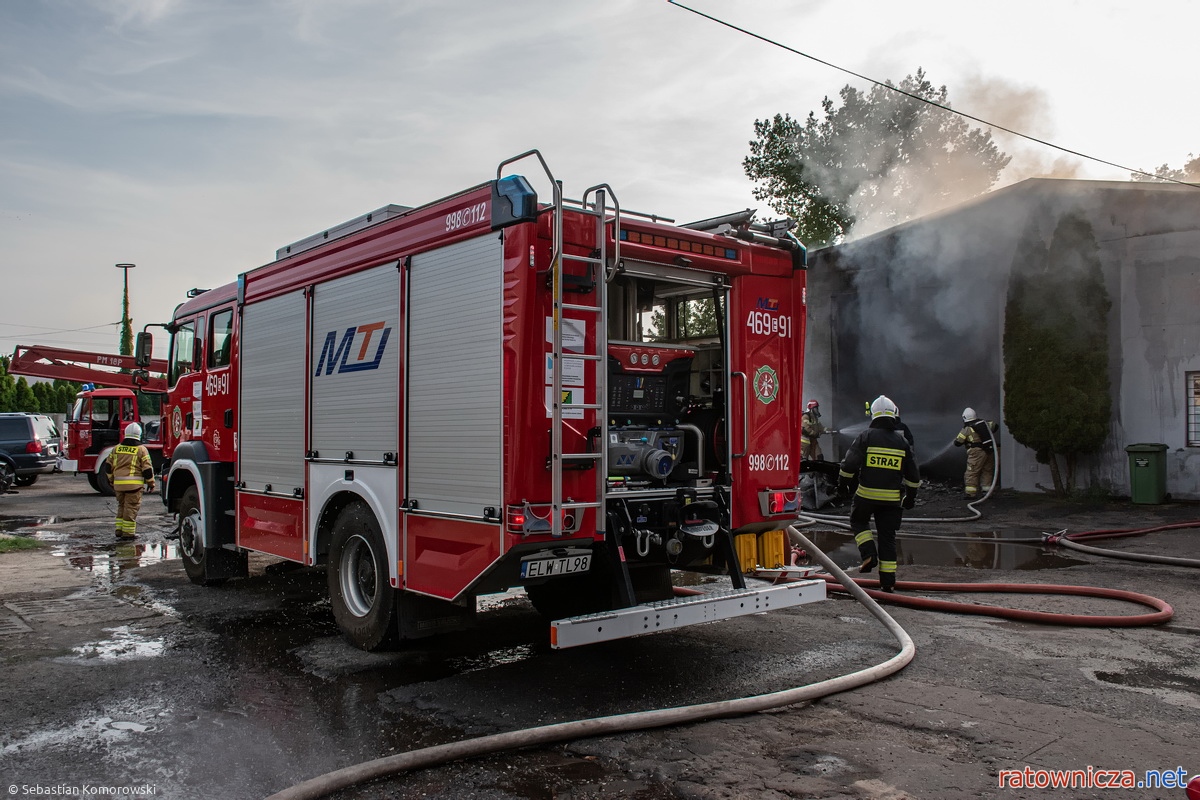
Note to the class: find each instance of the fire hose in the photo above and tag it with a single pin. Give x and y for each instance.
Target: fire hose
(1069, 541)
(328, 783)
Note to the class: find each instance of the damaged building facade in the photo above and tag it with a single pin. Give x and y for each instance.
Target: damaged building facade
(917, 312)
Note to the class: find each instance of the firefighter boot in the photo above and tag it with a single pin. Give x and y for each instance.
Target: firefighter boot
(866, 549)
(887, 576)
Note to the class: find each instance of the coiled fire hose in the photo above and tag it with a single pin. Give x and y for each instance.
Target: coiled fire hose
(328, 783)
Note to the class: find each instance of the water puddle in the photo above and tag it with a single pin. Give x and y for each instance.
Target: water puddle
(15, 524)
(125, 644)
(999, 549)
(112, 725)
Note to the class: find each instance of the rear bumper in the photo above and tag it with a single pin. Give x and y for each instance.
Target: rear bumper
(681, 612)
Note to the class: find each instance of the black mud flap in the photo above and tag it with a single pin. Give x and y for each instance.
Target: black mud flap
(418, 616)
(220, 563)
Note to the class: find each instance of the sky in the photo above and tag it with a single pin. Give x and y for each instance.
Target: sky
(195, 137)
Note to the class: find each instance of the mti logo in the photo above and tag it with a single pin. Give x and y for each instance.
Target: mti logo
(767, 304)
(334, 355)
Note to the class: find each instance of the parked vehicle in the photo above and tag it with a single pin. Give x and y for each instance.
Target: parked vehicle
(32, 442)
(8, 472)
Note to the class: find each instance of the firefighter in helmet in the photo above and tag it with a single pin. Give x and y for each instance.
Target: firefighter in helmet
(132, 473)
(881, 461)
(810, 429)
(976, 436)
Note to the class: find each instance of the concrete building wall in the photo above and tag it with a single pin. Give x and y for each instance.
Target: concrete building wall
(917, 312)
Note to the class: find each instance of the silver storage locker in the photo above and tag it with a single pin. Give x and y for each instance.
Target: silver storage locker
(455, 377)
(356, 366)
(271, 428)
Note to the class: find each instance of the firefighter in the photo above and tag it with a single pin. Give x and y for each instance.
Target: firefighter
(810, 429)
(881, 461)
(900, 426)
(132, 472)
(976, 436)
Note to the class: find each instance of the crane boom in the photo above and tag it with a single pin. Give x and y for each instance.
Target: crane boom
(82, 366)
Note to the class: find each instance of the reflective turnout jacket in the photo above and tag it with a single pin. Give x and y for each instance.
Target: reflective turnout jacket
(883, 462)
(131, 466)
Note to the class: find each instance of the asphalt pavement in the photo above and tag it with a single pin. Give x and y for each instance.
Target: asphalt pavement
(121, 677)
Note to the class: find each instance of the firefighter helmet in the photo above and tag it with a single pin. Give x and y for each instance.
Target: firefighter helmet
(133, 431)
(968, 414)
(883, 407)
(813, 405)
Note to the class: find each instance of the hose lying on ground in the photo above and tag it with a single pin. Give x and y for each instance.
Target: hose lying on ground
(323, 785)
(1070, 541)
(1163, 611)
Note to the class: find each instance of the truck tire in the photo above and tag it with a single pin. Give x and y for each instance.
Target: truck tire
(363, 600)
(25, 480)
(103, 482)
(191, 540)
(91, 476)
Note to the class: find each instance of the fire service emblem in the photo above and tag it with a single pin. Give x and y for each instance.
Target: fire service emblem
(766, 384)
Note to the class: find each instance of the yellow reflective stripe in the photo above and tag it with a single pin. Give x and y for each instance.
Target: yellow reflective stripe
(128, 481)
(882, 495)
(862, 538)
(887, 566)
(843, 474)
(912, 484)
(887, 451)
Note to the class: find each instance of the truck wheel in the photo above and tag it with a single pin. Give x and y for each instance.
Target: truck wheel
(364, 602)
(91, 476)
(191, 540)
(25, 480)
(7, 475)
(103, 482)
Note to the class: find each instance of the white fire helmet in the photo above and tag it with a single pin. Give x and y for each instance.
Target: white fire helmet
(968, 414)
(883, 407)
(133, 431)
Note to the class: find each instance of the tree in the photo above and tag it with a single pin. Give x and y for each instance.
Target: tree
(1190, 171)
(1056, 380)
(7, 386)
(878, 159)
(23, 398)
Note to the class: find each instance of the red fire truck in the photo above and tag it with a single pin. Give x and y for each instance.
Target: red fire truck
(96, 421)
(488, 392)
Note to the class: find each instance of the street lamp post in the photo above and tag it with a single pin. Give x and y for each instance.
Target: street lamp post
(126, 322)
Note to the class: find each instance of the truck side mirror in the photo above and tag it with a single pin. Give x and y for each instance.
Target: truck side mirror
(143, 349)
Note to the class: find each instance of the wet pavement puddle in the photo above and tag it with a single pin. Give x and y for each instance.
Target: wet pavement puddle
(1000, 549)
(125, 644)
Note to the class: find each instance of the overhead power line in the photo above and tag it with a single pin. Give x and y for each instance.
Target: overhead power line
(925, 100)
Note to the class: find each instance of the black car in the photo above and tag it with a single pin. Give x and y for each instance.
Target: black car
(32, 443)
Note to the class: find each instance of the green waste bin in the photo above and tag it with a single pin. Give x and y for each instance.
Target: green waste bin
(1147, 472)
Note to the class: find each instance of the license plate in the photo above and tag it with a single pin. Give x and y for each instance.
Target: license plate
(547, 567)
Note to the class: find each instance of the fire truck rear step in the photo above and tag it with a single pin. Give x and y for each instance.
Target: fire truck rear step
(679, 612)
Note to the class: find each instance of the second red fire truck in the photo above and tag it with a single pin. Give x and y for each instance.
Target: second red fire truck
(489, 392)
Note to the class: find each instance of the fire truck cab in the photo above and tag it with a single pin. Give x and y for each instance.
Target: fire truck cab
(489, 392)
(114, 394)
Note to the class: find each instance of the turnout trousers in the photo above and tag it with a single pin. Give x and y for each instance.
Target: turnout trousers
(980, 469)
(888, 517)
(128, 503)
